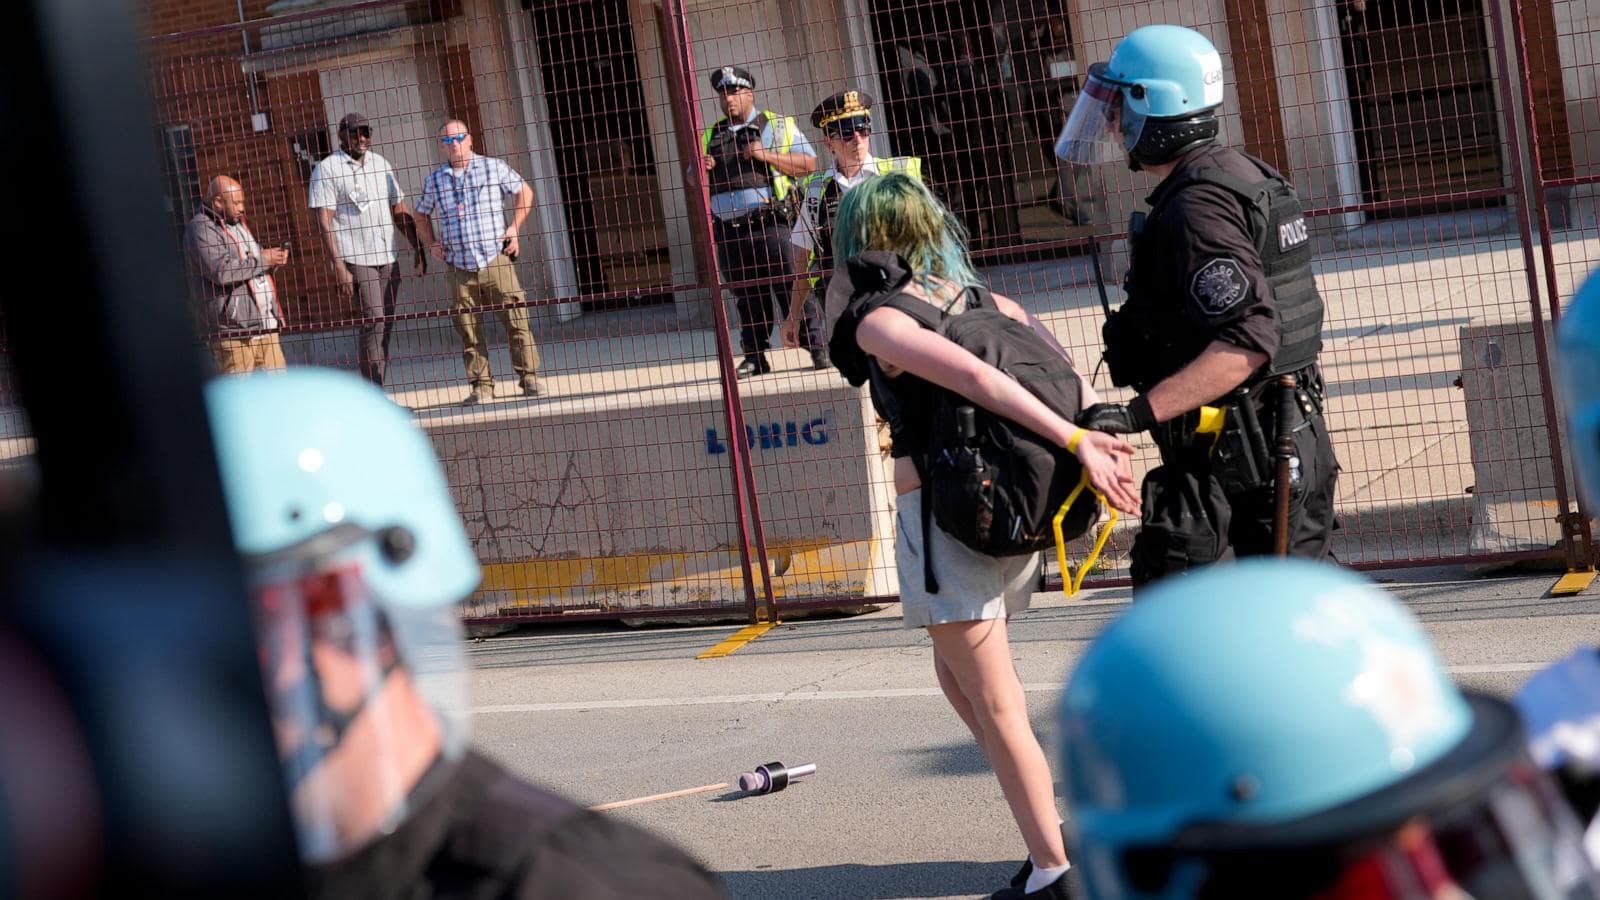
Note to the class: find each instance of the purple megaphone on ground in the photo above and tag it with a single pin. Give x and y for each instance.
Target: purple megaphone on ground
(773, 777)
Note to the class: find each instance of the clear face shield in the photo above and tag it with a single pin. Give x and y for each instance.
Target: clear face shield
(1100, 128)
(368, 698)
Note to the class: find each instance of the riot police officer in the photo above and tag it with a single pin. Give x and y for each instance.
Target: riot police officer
(845, 120)
(1221, 301)
(1281, 728)
(357, 559)
(751, 159)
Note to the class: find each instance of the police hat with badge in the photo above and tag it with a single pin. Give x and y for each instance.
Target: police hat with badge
(844, 114)
(731, 78)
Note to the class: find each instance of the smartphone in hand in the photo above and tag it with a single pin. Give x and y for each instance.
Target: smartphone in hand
(505, 247)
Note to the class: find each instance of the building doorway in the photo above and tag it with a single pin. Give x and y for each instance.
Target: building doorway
(604, 156)
(979, 90)
(1422, 102)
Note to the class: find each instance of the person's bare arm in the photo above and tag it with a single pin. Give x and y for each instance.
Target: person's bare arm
(425, 234)
(793, 165)
(1217, 370)
(800, 261)
(524, 206)
(404, 219)
(511, 239)
(341, 272)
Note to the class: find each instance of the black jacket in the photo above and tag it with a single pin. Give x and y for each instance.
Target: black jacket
(487, 835)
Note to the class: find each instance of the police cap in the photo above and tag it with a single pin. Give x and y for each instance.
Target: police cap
(845, 105)
(731, 78)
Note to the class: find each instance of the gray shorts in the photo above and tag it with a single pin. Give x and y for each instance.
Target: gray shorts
(972, 586)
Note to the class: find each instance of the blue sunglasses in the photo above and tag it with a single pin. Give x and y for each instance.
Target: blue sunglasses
(452, 139)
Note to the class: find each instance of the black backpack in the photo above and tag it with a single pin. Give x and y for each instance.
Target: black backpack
(990, 483)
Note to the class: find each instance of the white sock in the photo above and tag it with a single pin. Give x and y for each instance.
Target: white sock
(1041, 878)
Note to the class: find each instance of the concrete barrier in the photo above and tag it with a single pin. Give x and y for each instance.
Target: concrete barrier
(1514, 504)
(619, 502)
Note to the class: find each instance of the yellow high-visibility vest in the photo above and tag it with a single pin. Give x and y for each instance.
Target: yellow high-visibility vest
(783, 132)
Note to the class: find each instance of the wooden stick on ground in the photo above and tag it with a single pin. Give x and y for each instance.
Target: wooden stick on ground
(618, 804)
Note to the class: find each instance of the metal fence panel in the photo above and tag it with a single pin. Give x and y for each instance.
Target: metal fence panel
(648, 480)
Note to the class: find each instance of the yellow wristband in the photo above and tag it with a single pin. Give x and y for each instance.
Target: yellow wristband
(1072, 442)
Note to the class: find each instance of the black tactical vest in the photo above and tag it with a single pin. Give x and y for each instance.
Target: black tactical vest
(1155, 343)
(1278, 227)
(827, 211)
(733, 172)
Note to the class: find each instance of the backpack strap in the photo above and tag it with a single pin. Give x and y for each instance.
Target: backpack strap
(980, 297)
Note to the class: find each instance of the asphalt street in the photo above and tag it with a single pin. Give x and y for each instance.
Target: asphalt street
(903, 805)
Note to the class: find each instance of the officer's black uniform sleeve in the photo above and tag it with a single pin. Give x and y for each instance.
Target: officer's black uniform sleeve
(591, 855)
(1224, 284)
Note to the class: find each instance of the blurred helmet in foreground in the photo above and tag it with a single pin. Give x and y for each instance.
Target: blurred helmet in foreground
(356, 558)
(1284, 728)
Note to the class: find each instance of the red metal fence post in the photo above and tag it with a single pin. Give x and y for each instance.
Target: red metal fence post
(1574, 524)
(1571, 534)
(680, 73)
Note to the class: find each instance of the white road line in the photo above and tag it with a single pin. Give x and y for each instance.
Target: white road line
(880, 694)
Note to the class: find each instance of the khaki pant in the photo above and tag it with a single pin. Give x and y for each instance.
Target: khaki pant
(494, 285)
(248, 354)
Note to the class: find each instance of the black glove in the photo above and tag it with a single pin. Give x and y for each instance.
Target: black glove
(1115, 418)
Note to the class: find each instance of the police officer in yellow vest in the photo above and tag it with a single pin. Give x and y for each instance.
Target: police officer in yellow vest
(751, 159)
(845, 120)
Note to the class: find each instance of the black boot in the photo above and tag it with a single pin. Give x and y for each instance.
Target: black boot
(754, 364)
(819, 360)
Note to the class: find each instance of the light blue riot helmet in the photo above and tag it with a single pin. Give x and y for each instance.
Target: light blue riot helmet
(1282, 728)
(356, 559)
(1578, 371)
(1152, 101)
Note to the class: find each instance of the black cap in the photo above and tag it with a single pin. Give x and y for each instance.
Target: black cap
(353, 121)
(731, 77)
(841, 106)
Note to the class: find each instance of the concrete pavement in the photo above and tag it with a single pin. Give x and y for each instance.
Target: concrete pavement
(903, 805)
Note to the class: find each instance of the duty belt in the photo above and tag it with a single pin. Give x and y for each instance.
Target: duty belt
(760, 217)
(1181, 433)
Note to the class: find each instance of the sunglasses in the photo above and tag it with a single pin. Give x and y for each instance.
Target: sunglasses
(846, 132)
(449, 139)
(363, 131)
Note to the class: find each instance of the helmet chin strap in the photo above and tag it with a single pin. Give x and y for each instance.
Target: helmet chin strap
(1163, 140)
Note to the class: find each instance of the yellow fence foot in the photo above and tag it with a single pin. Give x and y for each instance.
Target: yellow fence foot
(1573, 582)
(738, 639)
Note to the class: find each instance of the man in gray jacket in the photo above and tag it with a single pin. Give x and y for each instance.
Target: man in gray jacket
(233, 278)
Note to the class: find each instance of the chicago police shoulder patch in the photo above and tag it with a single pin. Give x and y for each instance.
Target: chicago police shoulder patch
(1219, 286)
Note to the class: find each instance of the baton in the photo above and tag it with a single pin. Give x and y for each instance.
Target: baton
(1287, 388)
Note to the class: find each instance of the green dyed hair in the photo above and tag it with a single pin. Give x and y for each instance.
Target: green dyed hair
(898, 214)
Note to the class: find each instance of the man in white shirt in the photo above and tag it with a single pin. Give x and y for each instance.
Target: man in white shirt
(359, 205)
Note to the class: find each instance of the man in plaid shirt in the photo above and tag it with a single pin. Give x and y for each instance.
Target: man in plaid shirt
(461, 218)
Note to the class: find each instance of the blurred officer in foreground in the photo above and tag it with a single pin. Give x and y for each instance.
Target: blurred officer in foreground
(356, 560)
(1282, 728)
(1562, 703)
(1221, 302)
